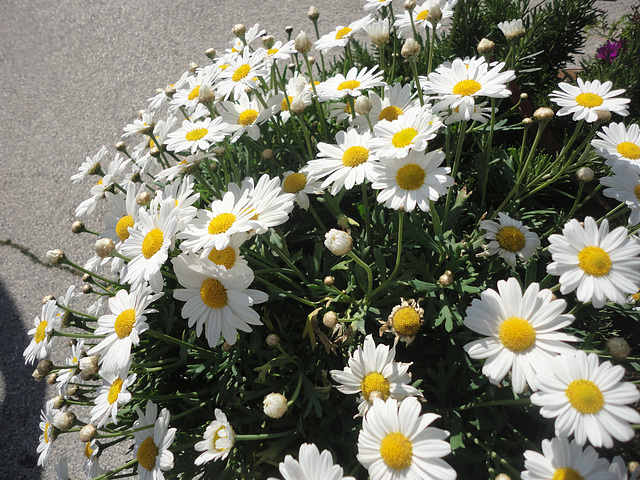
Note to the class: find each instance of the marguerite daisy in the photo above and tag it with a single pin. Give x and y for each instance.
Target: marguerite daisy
(421, 18)
(587, 99)
(397, 99)
(508, 238)
(353, 84)
(301, 184)
(72, 373)
(218, 440)
(624, 186)
(341, 35)
(311, 465)
(152, 444)
(40, 346)
(194, 136)
(512, 29)
(619, 144)
(48, 432)
(110, 396)
(297, 89)
(245, 115)
(139, 125)
(242, 72)
(91, 166)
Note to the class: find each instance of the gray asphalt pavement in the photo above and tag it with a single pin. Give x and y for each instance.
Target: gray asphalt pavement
(72, 74)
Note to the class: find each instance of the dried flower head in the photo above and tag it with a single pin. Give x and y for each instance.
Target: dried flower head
(404, 321)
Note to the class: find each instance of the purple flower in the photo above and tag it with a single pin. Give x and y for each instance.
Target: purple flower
(610, 50)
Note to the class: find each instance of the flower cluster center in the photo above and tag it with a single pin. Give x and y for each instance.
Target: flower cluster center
(248, 117)
(390, 113)
(466, 87)
(354, 156)
(566, 473)
(585, 396)
(410, 176)
(226, 257)
(124, 323)
(221, 223)
(594, 261)
(147, 454)
(404, 137)
(294, 182)
(589, 100)
(241, 72)
(196, 134)
(629, 150)
(406, 321)
(349, 85)
(122, 227)
(375, 382)
(213, 293)
(517, 334)
(114, 391)
(396, 451)
(510, 238)
(152, 243)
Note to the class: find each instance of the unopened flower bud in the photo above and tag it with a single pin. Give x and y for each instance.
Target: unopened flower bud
(44, 366)
(527, 121)
(272, 340)
(57, 402)
(170, 91)
(88, 433)
(121, 146)
(486, 46)
(410, 49)
(104, 247)
(227, 347)
(363, 105)
(292, 67)
(143, 199)
(268, 41)
(503, 476)
(147, 129)
(633, 466)
(604, 116)
(312, 59)
(543, 115)
(275, 405)
(446, 279)
(297, 105)
(193, 66)
(210, 53)
(330, 319)
(72, 390)
(64, 420)
(47, 298)
(313, 13)
(239, 29)
(434, 15)
(55, 256)
(89, 364)
(37, 375)
(288, 29)
(87, 278)
(329, 280)
(303, 42)
(584, 174)
(87, 289)
(338, 242)
(206, 95)
(524, 96)
(409, 5)
(77, 227)
(267, 154)
(618, 348)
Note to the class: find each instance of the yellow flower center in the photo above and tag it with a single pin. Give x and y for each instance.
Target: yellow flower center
(213, 293)
(342, 32)
(375, 382)
(466, 87)
(349, 85)
(510, 238)
(629, 150)
(99, 182)
(594, 261)
(40, 331)
(88, 451)
(406, 321)
(566, 473)
(223, 67)
(272, 51)
(410, 176)
(390, 113)
(152, 243)
(516, 334)
(636, 191)
(585, 396)
(46, 432)
(247, 117)
(114, 391)
(396, 451)
(147, 454)
(124, 323)
(354, 156)
(122, 227)
(221, 223)
(284, 105)
(422, 15)
(241, 72)
(193, 94)
(226, 257)
(589, 100)
(295, 182)
(196, 134)
(404, 137)
(347, 108)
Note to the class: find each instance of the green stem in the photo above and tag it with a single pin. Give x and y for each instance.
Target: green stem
(366, 268)
(414, 69)
(78, 313)
(266, 436)
(456, 165)
(111, 473)
(68, 262)
(398, 256)
(175, 341)
(493, 403)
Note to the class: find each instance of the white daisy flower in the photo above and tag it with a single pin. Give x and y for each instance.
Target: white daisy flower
(521, 332)
(242, 72)
(123, 327)
(71, 374)
(378, 30)
(481, 113)
(619, 144)
(301, 184)
(588, 400)
(188, 95)
(62, 469)
(619, 469)
(624, 186)
(512, 29)
(115, 169)
(139, 125)
(341, 35)
(353, 84)
(229, 258)
(91, 166)
(342, 111)
(149, 243)
(48, 433)
(373, 373)
(375, 5)
(397, 443)
(48, 321)
(218, 440)
(420, 18)
(311, 465)
(184, 166)
(91, 455)
(587, 99)
(348, 163)
(567, 460)
(396, 101)
(217, 302)
(414, 180)
(251, 36)
(297, 89)
(110, 396)
(411, 131)
(160, 99)
(245, 115)
(152, 444)
(599, 265)
(280, 53)
(183, 195)
(459, 83)
(194, 136)
(508, 238)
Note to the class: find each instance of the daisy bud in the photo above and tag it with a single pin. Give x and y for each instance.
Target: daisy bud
(410, 49)
(527, 121)
(272, 340)
(44, 366)
(64, 420)
(86, 377)
(147, 130)
(57, 402)
(338, 242)
(330, 319)
(239, 30)
(227, 347)
(87, 278)
(275, 405)
(632, 466)
(446, 279)
(313, 13)
(363, 105)
(288, 29)
(409, 5)
(88, 433)
(584, 174)
(55, 256)
(434, 15)
(52, 378)
(524, 96)
(267, 154)
(543, 115)
(71, 390)
(170, 90)
(104, 247)
(345, 221)
(210, 53)
(121, 146)
(292, 67)
(312, 60)
(618, 348)
(89, 364)
(143, 199)
(268, 41)
(485, 47)
(329, 280)
(47, 298)
(297, 105)
(86, 289)
(38, 377)
(206, 95)
(604, 116)
(77, 227)
(193, 66)
(503, 476)
(303, 42)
